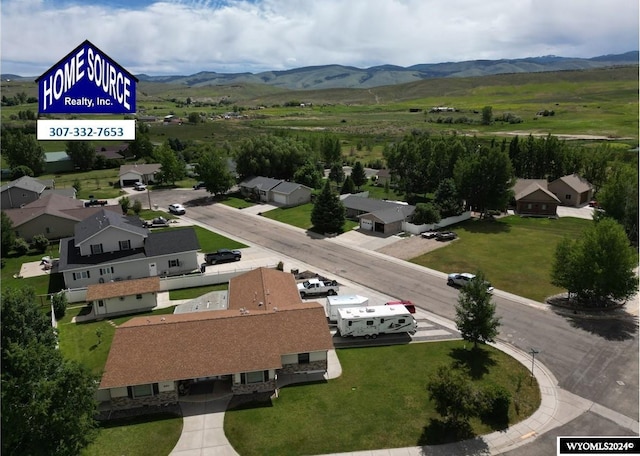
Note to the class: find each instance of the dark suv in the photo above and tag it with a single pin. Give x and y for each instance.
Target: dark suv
(223, 256)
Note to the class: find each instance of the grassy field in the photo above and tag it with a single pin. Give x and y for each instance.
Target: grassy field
(151, 435)
(515, 253)
(380, 401)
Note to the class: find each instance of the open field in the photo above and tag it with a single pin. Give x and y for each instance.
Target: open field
(379, 402)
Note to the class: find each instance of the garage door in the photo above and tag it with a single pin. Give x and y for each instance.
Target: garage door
(366, 224)
(279, 198)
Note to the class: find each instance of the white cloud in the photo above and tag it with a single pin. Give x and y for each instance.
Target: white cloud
(181, 37)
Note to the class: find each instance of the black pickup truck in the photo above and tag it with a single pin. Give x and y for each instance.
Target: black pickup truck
(94, 202)
(223, 256)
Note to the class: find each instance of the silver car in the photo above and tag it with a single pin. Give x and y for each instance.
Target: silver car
(461, 279)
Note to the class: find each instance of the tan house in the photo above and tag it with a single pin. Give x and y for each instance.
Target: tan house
(572, 190)
(130, 174)
(377, 215)
(278, 191)
(536, 200)
(266, 331)
(123, 297)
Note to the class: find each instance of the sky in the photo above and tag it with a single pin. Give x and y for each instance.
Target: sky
(182, 37)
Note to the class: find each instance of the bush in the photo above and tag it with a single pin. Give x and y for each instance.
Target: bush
(19, 171)
(136, 207)
(40, 242)
(21, 246)
(59, 303)
(494, 406)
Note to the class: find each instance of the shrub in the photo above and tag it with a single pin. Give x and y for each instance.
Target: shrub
(59, 303)
(40, 242)
(280, 266)
(494, 405)
(21, 170)
(21, 246)
(136, 207)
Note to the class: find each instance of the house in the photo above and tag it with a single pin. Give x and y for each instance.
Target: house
(533, 199)
(53, 215)
(21, 191)
(572, 190)
(130, 174)
(276, 191)
(58, 162)
(110, 246)
(377, 215)
(113, 152)
(123, 297)
(383, 177)
(266, 332)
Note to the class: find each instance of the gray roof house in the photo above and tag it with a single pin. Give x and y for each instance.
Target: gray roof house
(378, 215)
(21, 191)
(276, 191)
(130, 174)
(109, 246)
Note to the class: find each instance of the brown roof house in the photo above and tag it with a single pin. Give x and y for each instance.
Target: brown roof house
(53, 215)
(572, 190)
(266, 332)
(533, 198)
(376, 215)
(123, 297)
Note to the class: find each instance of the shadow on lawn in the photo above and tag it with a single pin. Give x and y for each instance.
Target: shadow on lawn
(445, 438)
(487, 226)
(476, 361)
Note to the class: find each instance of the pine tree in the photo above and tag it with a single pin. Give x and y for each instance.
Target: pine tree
(328, 212)
(358, 175)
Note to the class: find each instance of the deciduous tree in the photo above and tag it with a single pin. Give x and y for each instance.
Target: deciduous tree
(7, 234)
(309, 175)
(23, 149)
(212, 169)
(619, 198)
(82, 153)
(475, 312)
(172, 169)
(271, 156)
(453, 394)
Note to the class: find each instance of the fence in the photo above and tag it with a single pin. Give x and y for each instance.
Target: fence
(417, 229)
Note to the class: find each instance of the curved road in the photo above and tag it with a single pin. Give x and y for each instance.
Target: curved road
(596, 359)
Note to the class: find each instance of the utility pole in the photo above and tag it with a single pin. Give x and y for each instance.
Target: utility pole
(533, 352)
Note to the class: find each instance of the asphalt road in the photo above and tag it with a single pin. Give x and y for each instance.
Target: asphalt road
(596, 359)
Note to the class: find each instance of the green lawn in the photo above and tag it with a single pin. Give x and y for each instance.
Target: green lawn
(210, 241)
(195, 292)
(380, 401)
(515, 253)
(140, 436)
(43, 284)
(300, 216)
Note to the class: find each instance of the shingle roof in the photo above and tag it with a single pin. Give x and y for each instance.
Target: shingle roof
(172, 240)
(270, 287)
(25, 183)
(52, 203)
(286, 188)
(123, 288)
(204, 344)
(104, 219)
(522, 184)
(534, 187)
(366, 204)
(576, 182)
(260, 182)
(144, 168)
(393, 214)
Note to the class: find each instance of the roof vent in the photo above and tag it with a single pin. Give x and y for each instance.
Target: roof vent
(370, 309)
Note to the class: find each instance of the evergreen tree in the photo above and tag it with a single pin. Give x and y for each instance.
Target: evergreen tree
(358, 175)
(328, 213)
(336, 173)
(348, 186)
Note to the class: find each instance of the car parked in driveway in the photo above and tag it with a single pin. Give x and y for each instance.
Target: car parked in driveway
(139, 186)
(177, 209)
(199, 185)
(429, 234)
(461, 279)
(446, 236)
(223, 256)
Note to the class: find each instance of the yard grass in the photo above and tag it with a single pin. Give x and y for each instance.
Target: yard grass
(140, 436)
(300, 216)
(236, 200)
(43, 284)
(379, 402)
(515, 253)
(196, 292)
(210, 241)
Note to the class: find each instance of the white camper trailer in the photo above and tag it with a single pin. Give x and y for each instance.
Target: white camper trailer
(373, 320)
(340, 302)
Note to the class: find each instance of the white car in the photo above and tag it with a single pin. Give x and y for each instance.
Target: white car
(139, 186)
(461, 279)
(177, 209)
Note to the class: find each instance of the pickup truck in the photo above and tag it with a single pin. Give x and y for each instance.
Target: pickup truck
(158, 222)
(317, 287)
(223, 256)
(95, 202)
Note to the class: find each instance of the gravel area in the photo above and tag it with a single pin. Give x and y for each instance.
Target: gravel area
(411, 247)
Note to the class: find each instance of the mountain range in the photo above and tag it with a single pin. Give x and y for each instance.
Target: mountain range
(339, 76)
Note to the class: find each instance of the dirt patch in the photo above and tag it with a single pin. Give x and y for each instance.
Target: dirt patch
(411, 247)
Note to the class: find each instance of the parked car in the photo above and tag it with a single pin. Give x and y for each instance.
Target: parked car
(461, 279)
(156, 222)
(139, 186)
(177, 209)
(429, 234)
(223, 256)
(199, 185)
(446, 236)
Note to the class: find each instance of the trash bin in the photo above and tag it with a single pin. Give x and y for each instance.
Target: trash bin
(203, 267)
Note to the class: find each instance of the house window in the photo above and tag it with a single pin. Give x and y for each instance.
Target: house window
(125, 245)
(100, 303)
(47, 230)
(529, 206)
(96, 249)
(142, 391)
(567, 197)
(303, 358)
(81, 275)
(255, 377)
(174, 263)
(544, 207)
(138, 296)
(107, 270)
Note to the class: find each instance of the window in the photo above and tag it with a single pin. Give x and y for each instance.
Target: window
(254, 377)
(544, 207)
(96, 249)
(47, 230)
(142, 391)
(125, 245)
(100, 303)
(401, 321)
(568, 197)
(81, 275)
(138, 296)
(107, 270)
(303, 358)
(174, 263)
(369, 322)
(529, 206)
